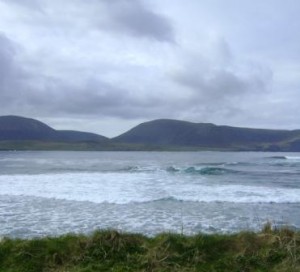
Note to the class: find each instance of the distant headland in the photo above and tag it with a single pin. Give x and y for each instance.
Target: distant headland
(20, 133)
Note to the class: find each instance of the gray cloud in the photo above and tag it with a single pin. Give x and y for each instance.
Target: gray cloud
(129, 17)
(134, 18)
(42, 95)
(135, 60)
(93, 97)
(218, 83)
(25, 3)
(47, 83)
(204, 88)
(7, 53)
(11, 75)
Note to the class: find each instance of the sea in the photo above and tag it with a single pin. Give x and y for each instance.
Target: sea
(54, 193)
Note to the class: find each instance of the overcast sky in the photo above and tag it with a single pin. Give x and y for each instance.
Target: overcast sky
(106, 65)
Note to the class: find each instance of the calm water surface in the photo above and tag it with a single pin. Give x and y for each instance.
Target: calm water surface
(51, 193)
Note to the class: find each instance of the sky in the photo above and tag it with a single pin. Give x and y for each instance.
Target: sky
(105, 66)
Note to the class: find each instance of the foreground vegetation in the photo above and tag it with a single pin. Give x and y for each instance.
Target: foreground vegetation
(269, 250)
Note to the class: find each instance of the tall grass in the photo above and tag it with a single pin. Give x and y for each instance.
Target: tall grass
(269, 250)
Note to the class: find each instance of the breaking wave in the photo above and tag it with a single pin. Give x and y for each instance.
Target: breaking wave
(277, 157)
(181, 200)
(202, 171)
(284, 157)
(144, 191)
(292, 158)
(125, 188)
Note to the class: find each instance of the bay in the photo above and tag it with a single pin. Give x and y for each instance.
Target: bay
(52, 193)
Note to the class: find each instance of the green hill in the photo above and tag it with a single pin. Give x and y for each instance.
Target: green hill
(16, 128)
(166, 132)
(19, 133)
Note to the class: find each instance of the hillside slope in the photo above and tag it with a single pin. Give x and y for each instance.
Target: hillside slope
(166, 132)
(16, 128)
(19, 133)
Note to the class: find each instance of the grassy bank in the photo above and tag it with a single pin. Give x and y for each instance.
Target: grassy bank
(269, 250)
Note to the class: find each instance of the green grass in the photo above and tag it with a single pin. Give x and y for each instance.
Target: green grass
(116, 146)
(269, 250)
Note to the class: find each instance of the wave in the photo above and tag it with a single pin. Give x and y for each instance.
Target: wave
(183, 200)
(129, 169)
(284, 157)
(277, 157)
(283, 161)
(202, 171)
(209, 171)
(162, 199)
(95, 169)
(172, 169)
(292, 157)
(211, 164)
(182, 184)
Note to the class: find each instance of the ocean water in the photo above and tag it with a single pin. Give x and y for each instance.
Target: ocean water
(52, 193)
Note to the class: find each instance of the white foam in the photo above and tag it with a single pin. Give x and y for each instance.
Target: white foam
(239, 194)
(292, 157)
(122, 188)
(98, 188)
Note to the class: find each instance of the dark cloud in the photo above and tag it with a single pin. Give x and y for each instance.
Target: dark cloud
(11, 75)
(7, 69)
(24, 3)
(138, 59)
(93, 97)
(219, 82)
(130, 17)
(214, 89)
(134, 18)
(36, 94)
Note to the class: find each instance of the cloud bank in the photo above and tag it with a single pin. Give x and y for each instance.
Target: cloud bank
(130, 61)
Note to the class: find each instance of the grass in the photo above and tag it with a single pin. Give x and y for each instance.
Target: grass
(35, 145)
(269, 250)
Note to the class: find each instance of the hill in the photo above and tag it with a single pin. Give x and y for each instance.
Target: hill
(166, 132)
(16, 128)
(19, 133)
